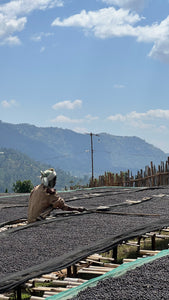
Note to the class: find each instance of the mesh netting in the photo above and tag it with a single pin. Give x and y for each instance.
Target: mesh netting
(119, 271)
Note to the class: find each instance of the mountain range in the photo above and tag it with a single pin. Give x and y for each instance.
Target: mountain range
(71, 151)
(15, 166)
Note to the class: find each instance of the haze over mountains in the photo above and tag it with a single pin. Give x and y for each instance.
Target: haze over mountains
(71, 151)
(15, 166)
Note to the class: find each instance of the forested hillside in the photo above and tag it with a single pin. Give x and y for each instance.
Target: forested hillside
(18, 166)
(71, 151)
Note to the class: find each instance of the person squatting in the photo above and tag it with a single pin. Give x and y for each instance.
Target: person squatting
(44, 198)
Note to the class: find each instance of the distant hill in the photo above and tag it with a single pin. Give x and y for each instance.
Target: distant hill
(70, 151)
(18, 166)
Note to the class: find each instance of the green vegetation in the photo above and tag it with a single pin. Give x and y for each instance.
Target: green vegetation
(23, 186)
(70, 151)
(16, 166)
(128, 251)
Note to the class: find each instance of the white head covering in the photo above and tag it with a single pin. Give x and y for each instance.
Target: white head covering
(47, 176)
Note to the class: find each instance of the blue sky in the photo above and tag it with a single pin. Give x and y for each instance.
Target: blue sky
(89, 66)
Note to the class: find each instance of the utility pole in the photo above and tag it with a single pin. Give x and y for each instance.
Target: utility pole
(91, 141)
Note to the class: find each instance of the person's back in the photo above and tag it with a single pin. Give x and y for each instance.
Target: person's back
(34, 207)
(43, 198)
(40, 199)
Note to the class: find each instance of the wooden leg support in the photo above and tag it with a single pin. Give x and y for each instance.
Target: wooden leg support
(138, 242)
(69, 272)
(115, 254)
(74, 271)
(153, 242)
(18, 293)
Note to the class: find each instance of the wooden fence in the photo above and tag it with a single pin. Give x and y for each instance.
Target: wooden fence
(151, 176)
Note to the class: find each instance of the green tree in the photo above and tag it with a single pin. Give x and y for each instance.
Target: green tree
(22, 186)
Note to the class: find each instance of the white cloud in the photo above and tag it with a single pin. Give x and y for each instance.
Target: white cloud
(8, 104)
(64, 119)
(141, 124)
(38, 37)
(9, 26)
(149, 121)
(117, 117)
(80, 130)
(162, 128)
(110, 22)
(160, 50)
(67, 104)
(42, 49)
(149, 115)
(11, 41)
(91, 118)
(19, 7)
(13, 16)
(127, 4)
(5, 104)
(106, 22)
(119, 86)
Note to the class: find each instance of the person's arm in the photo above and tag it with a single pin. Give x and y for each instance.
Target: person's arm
(45, 213)
(60, 203)
(71, 208)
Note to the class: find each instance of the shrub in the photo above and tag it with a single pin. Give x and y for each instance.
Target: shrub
(22, 186)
